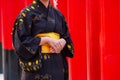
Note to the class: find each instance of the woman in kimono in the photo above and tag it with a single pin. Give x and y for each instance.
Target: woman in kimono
(42, 42)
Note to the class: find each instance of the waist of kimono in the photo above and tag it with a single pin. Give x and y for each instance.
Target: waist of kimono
(45, 48)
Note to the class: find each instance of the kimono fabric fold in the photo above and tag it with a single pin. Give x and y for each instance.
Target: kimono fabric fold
(33, 20)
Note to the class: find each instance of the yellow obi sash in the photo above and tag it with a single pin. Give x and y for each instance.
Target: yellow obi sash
(45, 48)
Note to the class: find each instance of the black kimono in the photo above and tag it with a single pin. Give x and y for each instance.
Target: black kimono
(35, 65)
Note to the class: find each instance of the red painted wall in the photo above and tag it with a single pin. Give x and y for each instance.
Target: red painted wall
(95, 30)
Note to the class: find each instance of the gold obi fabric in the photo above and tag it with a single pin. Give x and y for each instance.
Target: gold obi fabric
(45, 48)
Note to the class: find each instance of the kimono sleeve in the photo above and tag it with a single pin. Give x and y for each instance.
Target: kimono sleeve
(25, 45)
(68, 50)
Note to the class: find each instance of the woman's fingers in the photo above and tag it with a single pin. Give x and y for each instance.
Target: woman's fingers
(62, 43)
(56, 45)
(52, 50)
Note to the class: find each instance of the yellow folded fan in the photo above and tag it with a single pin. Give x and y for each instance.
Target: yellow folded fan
(45, 48)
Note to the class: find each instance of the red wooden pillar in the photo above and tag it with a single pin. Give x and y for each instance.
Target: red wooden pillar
(1, 70)
(10, 10)
(110, 39)
(77, 27)
(93, 26)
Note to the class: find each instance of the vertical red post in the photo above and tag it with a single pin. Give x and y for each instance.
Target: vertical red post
(110, 39)
(1, 68)
(77, 27)
(92, 39)
(10, 10)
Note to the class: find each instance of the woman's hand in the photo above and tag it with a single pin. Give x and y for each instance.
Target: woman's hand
(56, 45)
